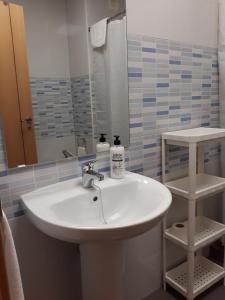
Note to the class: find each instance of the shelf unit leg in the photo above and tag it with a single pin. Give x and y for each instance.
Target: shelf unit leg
(191, 254)
(192, 169)
(190, 275)
(200, 170)
(164, 219)
(164, 253)
(163, 160)
(223, 239)
(201, 154)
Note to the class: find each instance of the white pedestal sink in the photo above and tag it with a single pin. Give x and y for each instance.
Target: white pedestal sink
(68, 212)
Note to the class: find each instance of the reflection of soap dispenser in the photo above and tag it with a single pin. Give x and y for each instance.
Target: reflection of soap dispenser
(82, 147)
(102, 146)
(117, 159)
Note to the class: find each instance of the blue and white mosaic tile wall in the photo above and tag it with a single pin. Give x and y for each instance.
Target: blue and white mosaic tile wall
(172, 86)
(81, 98)
(52, 107)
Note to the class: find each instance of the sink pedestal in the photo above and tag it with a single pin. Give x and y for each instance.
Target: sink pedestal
(102, 268)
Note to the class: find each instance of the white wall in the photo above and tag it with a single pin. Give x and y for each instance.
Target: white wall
(189, 21)
(47, 43)
(78, 31)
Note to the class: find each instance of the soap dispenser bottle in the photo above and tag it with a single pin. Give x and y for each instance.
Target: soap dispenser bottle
(117, 159)
(102, 146)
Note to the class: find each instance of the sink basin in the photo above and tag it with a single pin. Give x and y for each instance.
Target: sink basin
(100, 219)
(69, 212)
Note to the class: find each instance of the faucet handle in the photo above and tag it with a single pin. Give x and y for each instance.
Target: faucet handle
(87, 166)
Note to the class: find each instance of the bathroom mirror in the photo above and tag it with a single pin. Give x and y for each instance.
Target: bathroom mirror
(77, 80)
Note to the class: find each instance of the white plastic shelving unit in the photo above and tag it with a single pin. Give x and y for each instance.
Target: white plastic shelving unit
(197, 274)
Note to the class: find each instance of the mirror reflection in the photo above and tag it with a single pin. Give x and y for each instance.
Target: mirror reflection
(68, 79)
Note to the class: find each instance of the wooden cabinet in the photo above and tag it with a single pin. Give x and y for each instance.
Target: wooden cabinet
(15, 95)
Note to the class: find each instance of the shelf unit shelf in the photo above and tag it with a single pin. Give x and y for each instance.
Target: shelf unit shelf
(206, 273)
(198, 273)
(205, 186)
(195, 135)
(206, 232)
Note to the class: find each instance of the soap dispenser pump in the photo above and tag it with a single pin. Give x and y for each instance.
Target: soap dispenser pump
(117, 159)
(102, 145)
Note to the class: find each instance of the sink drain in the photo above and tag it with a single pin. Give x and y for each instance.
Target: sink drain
(95, 198)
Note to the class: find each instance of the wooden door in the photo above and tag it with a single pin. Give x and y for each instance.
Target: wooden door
(15, 95)
(22, 74)
(9, 101)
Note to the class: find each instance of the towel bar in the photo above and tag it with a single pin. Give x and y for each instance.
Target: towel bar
(112, 18)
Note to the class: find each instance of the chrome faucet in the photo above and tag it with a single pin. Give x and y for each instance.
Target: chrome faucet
(89, 174)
